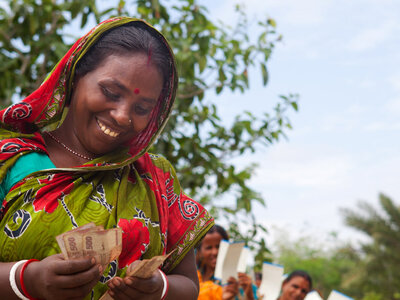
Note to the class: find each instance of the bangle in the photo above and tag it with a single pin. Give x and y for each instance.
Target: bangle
(12, 280)
(166, 285)
(21, 278)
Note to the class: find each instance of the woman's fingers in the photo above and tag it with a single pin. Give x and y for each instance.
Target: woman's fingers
(79, 279)
(136, 288)
(57, 278)
(72, 266)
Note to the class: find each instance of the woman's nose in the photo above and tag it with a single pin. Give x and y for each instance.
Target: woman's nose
(121, 116)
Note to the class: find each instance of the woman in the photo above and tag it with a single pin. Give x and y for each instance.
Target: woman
(206, 257)
(75, 151)
(296, 286)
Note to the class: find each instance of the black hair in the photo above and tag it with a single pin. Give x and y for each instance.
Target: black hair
(133, 37)
(220, 230)
(299, 273)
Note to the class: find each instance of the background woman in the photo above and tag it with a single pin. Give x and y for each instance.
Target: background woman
(206, 257)
(75, 151)
(296, 286)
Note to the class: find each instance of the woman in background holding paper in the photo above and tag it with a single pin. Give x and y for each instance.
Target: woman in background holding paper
(296, 286)
(210, 287)
(75, 152)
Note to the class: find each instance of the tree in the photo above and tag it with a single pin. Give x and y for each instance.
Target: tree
(379, 274)
(211, 58)
(331, 264)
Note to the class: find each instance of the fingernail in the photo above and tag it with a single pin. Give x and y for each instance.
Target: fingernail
(100, 269)
(128, 281)
(93, 260)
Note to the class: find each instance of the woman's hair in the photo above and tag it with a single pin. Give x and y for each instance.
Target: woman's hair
(219, 229)
(299, 273)
(126, 39)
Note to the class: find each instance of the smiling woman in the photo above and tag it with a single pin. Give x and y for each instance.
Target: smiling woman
(75, 151)
(105, 113)
(296, 286)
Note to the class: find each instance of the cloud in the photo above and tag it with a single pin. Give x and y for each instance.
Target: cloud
(289, 166)
(372, 37)
(395, 82)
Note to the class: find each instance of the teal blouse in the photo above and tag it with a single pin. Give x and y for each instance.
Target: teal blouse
(24, 166)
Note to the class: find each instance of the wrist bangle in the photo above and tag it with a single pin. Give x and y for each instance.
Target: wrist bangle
(21, 278)
(12, 280)
(166, 285)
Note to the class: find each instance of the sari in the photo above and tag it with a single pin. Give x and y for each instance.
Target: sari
(129, 188)
(208, 289)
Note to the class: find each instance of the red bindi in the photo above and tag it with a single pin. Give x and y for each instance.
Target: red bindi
(136, 91)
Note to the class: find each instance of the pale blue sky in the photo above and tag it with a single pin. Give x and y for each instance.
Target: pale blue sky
(343, 58)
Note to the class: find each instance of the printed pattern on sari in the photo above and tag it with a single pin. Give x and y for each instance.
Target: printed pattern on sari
(49, 202)
(128, 188)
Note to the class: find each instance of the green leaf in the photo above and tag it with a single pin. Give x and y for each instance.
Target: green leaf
(264, 72)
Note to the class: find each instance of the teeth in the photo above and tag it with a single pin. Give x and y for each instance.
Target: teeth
(106, 130)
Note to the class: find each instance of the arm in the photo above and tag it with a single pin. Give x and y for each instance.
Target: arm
(183, 283)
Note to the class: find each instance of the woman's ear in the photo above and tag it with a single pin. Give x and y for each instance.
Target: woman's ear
(73, 87)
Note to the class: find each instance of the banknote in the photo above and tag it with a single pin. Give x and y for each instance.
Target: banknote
(142, 269)
(91, 240)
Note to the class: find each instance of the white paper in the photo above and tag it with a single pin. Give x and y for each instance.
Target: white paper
(227, 260)
(242, 263)
(313, 295)
(335, 295)
(271, 283)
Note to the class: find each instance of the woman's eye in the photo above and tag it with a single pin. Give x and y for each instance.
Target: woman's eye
(141, 111)
(109, 94)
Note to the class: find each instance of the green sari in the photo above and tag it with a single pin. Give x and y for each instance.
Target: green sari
(129, 188)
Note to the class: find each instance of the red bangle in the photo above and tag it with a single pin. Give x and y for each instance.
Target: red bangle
(21, 278)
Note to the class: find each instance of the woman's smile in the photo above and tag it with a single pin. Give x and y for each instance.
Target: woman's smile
(105, 111)
(106, 130)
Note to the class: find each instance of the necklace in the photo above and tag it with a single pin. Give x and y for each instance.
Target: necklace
(67, 148)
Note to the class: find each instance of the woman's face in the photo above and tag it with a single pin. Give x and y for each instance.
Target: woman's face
(208, 251)
(295, 289)
(113, 103)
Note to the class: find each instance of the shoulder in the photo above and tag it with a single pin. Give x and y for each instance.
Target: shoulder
(160, 161)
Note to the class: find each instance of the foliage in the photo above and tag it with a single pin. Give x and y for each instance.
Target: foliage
(379, 275)
(330, 267)
(212, 58)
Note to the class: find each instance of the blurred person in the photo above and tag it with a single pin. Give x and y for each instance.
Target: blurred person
(210, 288)
(296, 286)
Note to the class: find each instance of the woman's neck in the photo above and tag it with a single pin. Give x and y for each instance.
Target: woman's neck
(59, 155)
(208, 273)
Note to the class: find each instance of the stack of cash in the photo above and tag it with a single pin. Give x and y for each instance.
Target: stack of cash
(91, 240)
(105, 245)
(142, 269)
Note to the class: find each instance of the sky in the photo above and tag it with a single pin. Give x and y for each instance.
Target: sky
(343, 59)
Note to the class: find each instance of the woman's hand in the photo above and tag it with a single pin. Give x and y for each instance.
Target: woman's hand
(57, 278)
(231, 289)
(246, 284)
(137, 288)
